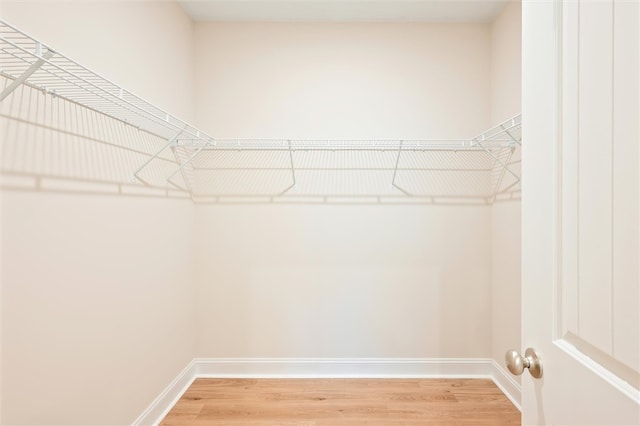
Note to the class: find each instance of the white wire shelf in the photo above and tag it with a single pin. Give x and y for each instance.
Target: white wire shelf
(504, 135)
(182, 157)
(26, 60)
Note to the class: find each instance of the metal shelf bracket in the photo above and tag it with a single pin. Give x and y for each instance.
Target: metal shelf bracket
(42, 58)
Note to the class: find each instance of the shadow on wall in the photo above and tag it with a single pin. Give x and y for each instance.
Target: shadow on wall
(56, 145)
(51, 144)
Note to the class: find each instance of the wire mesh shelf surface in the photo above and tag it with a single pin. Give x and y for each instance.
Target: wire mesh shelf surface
(21, 56)
(84, 113)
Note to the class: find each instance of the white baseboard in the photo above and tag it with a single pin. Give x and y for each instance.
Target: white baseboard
(507, 384)
(342, 367)
(161, 406)
(417, 368)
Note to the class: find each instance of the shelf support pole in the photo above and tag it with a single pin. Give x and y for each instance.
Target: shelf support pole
(168, 180)
(154, 156)
(395, 172)
(395, 169)
(501, 178)
(28, 72)
(293, 171)
(505, 166)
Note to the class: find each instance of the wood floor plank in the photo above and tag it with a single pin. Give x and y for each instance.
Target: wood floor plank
(342, 402)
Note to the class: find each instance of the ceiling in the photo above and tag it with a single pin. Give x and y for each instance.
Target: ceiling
(344, 10)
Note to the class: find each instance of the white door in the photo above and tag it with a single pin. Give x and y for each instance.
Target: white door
(580, 220)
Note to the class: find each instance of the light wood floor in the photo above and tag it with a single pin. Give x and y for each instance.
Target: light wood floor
(337, 402)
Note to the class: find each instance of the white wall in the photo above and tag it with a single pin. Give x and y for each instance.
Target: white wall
(343, 281)
(342, 80)
(97, 305)
(506, 63)
(505, 254)
(336, 280)
(97, 296)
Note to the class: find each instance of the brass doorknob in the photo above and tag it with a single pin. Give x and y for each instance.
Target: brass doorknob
(516, 363)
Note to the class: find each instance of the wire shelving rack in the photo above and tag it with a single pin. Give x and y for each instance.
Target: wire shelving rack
(486, 166)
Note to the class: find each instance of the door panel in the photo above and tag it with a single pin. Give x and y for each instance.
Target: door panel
(626, 152)
(594, 168)
(581, 273)
(599, 171)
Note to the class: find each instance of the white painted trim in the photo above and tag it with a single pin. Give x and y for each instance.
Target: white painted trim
(161, 406)
(416, 368)
(506, 383)
(342, 367)
(616, 382)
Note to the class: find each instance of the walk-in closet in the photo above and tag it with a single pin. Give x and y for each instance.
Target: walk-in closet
(318, 212)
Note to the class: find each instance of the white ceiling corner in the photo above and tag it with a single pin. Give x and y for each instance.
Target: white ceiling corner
(344, 10)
